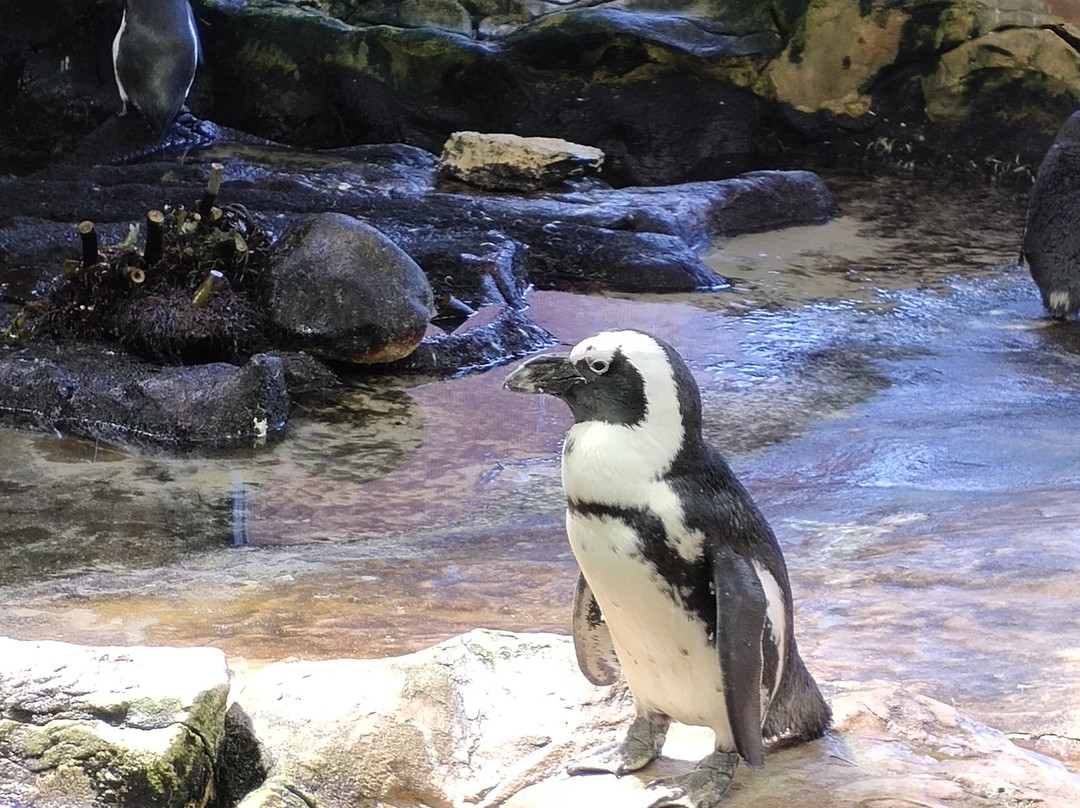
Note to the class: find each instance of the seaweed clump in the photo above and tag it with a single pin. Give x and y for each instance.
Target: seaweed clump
(188, 297)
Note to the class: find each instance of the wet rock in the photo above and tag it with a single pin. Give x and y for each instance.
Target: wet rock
(82, 727)
(491, 337)
(668, 95)
(889, 747)
(322, 296)
(1051, 246)
(305, 374)
(99, 393)
(480, 248)
(444, 726)
(480, 266)
(630, 239)
(513, 163)
(341, 290)
(491, 719)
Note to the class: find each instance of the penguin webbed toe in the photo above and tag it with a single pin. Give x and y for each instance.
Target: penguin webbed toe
(638, 749)
(704, 787)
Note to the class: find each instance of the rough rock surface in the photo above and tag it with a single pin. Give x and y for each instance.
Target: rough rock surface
(486, 719)
(627, 239)
(451, 725)
(488, 338)
(888, 748)
(511, 162)
(476, 249)
(491, 718)
(82, 727)
(669, 91)
(341, 290)
(94, 391)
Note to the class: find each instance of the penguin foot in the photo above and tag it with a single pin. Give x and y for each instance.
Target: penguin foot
(638, 749)
(704, 787)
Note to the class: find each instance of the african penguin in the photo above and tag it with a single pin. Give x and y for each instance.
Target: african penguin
(1051, 246)
(155, 53)
(683, 585)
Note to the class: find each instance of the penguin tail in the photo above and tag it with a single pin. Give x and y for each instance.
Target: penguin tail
(798, 710)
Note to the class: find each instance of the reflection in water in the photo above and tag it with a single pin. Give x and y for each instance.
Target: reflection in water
(886, 385)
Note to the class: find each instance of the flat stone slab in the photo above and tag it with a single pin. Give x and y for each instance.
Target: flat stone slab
(511, 162)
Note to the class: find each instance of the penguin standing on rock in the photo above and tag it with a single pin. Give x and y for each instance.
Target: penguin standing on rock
(155, 54)
(683, 585)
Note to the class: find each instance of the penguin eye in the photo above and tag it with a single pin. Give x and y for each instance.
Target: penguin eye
(598, 366)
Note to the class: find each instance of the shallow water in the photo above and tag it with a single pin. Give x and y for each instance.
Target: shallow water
(886, 385)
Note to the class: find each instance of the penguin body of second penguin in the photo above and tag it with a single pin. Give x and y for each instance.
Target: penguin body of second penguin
(155, 54)
(1051, 247)
(683, 586)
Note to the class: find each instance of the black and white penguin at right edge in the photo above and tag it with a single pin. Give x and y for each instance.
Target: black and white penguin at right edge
(683, 586)
(155, 54)
(1051, 247)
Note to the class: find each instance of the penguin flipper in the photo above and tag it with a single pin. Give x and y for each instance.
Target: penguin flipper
(740, 623)
(592, 640)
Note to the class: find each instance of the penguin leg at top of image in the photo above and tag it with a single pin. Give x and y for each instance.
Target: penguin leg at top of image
(155, 54)
(683, 585)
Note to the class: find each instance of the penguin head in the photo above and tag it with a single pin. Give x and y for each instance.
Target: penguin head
(627, 378)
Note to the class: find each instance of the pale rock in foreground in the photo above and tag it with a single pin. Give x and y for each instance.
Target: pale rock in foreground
(490, 719)
(82, 726)
(512, 162)
(485, 720)
(889, 747)
(466, 722)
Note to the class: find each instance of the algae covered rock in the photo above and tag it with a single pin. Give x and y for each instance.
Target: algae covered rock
(83, 726)
(341, 290)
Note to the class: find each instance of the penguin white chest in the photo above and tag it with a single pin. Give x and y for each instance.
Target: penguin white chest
(665, 651)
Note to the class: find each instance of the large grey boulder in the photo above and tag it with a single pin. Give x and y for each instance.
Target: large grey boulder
(83, 727)
(341, 290)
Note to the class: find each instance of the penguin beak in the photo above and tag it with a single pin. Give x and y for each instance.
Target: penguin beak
(552, 374)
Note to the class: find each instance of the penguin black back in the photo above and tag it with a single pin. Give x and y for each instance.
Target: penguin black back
(1051, 246)
(155, 54)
